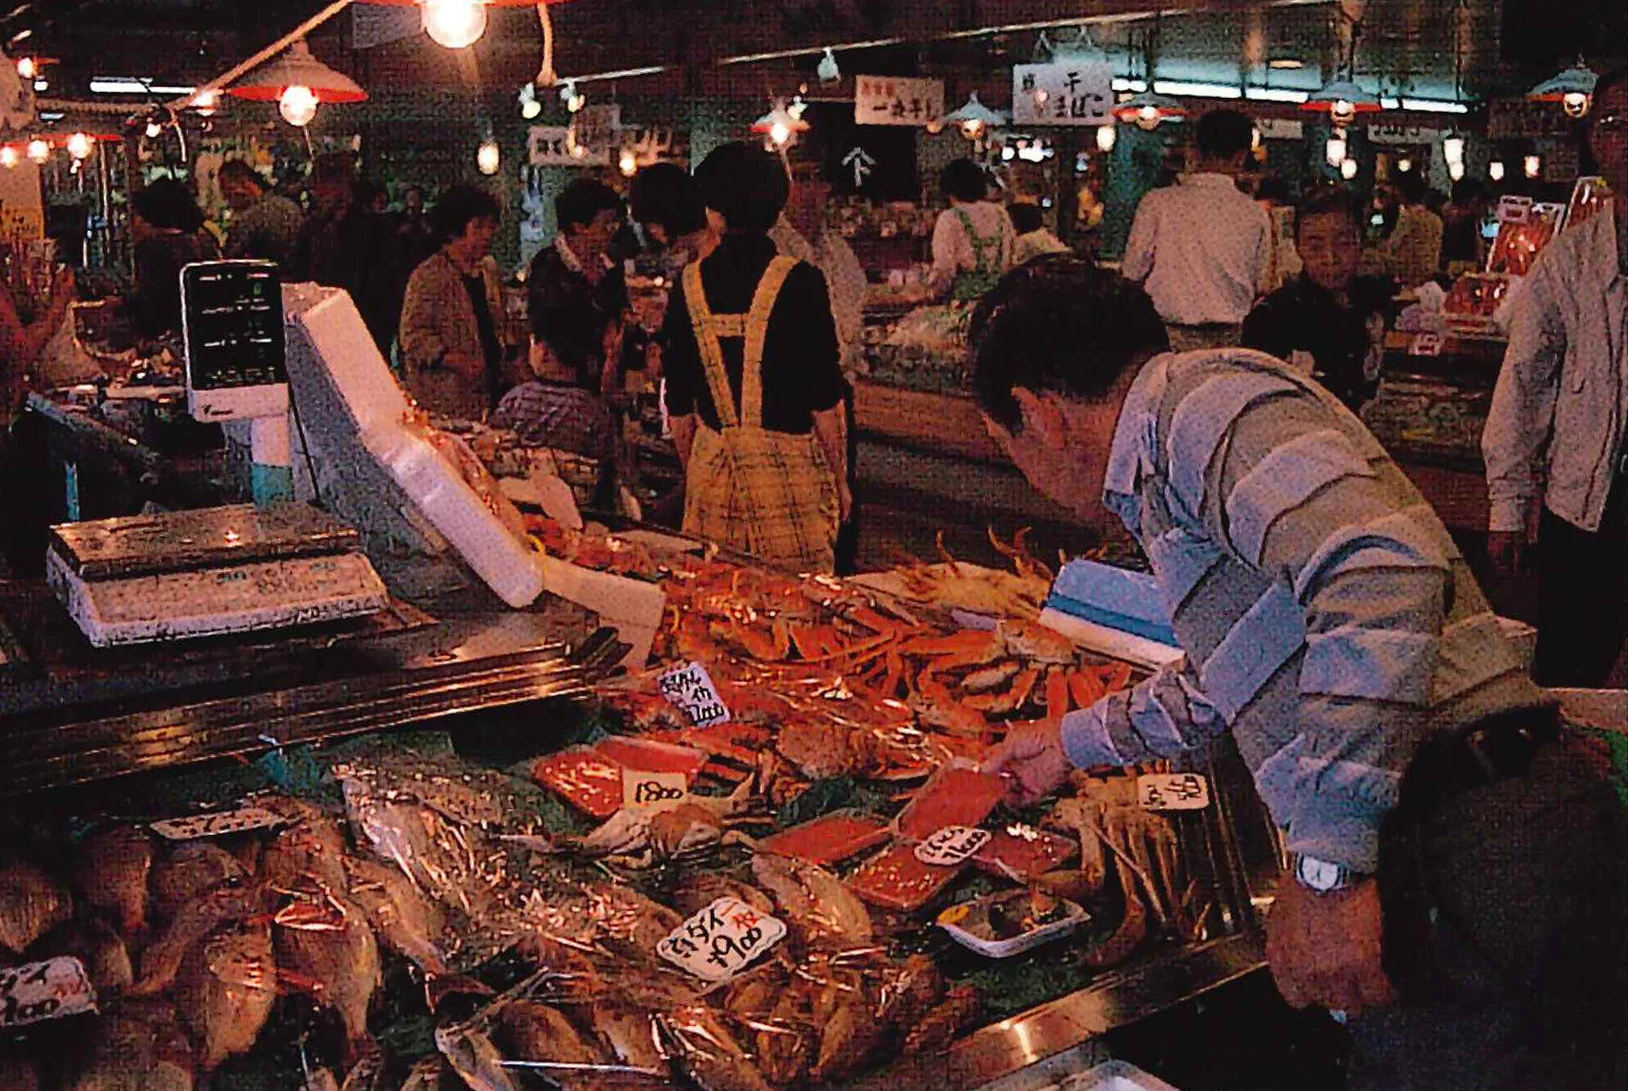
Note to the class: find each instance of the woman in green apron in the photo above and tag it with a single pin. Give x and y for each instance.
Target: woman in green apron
(754, 383)
(973, 241)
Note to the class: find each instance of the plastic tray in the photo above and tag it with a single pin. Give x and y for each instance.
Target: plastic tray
(954, 796)
(830, 838)
(584, 778)
(894, 879)
(1006, 948)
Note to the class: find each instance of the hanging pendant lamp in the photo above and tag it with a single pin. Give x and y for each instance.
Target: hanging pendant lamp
(1148, 110)
(974, 118)
(1572, 87)
(1342, 100)
(298, 83)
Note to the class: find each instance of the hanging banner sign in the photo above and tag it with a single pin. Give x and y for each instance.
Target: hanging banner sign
(1063, 93)
(558, 146)
(1404, 134)
(897, 100)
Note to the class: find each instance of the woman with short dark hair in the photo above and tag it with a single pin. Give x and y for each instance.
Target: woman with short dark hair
(754, 381)
(451, 319)
(974, 243)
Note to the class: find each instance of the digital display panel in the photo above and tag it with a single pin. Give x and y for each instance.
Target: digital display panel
(233, 315)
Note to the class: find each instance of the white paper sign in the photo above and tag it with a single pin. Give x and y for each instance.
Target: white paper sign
(952, 846)
(1426, 344)
(1063, 93)
(217, 823)
(654, 791)
(36, 991)
(1514, 209)
(897, 100)
(689, 689)
(557, 146)
(721, 940)
(1173, 792)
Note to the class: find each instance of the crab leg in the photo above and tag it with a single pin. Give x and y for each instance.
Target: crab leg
(1085, 688)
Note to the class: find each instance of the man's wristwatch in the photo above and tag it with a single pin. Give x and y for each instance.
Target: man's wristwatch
(1323, 877)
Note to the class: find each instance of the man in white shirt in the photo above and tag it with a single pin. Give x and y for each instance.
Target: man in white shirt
(1203, 249)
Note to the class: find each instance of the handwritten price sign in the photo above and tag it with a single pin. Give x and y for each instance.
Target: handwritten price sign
(952, 846)
(721, 940)
(654, 791)
(1173, 792)
(217, 824)
(36, 991)
(689, 689)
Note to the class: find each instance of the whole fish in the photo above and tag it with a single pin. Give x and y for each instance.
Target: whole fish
(425, 1075)
(814, 899)
(161, 960)
(312, 846)
(192, 868)
(98, 948)
(325, 942)
(708, 1053)
(111, 875)
(404, 918)
(226, 990)
(31, 904)
(530, 1031)
(136, 1046)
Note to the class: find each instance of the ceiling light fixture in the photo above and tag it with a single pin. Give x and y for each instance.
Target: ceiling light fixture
(80, 145)
(1149, 110)
(1495, 170)
(1286, 64)
(828, 70)
(9, 157)
(1342, 100)
(1452, 148)
(974, 118)
(530, 107)
(298, 105)
(27, 67)
(38, 150)
(1107, 137)
(1455, 171)
(779, 127)
(1572, 87)
(574, 99)
(297, 82)
(1533, 165)
(154, 130)
(489, 158)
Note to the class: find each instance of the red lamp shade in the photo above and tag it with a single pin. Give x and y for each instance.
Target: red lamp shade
(489, 3)
(297, 68)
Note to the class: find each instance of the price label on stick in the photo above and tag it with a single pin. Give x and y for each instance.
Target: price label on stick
(689, 689)
(1173, 792)
(654, 791)
(37, 991)
(952, 846)
(217, 823)
(1426, 344)
(721, 940)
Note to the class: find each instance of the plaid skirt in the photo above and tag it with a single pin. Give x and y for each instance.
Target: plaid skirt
(768, 494)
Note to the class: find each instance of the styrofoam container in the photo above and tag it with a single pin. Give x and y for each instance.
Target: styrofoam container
(1072, 919)
(1114, 1076)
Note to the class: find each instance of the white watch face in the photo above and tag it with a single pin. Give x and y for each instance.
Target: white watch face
(1318, 874)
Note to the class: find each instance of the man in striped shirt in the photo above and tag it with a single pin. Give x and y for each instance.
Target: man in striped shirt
(1333, 628)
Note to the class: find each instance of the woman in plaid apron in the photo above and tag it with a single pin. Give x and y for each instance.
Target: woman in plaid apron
(754, 385)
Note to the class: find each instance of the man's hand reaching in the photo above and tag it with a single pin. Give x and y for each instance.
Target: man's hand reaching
(1032, 760)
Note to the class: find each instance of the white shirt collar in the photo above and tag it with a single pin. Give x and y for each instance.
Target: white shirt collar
(1130, 457)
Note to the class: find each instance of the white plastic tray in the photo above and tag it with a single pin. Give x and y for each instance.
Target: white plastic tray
(1028, 941)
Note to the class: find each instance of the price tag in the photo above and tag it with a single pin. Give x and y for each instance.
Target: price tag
(654, 791)
(1173, 792)
(217, 824)
(721, 940)
(36, 991)
(689, 689)
(952, 846)
(1426, 344)
(1514, 209)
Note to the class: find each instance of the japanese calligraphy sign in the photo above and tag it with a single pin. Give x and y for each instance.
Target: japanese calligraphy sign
(558, 146)
(689, 689)
(897, 100)
(952, 846)
(36, 991)
(721, 940)
(643, 791)
(216, 824)
(1173, 792)
(1063, 93)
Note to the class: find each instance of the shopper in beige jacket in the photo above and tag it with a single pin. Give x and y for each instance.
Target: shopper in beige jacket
(452, 320)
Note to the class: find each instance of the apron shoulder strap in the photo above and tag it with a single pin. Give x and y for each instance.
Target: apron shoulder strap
(707, 333)
(757, 334)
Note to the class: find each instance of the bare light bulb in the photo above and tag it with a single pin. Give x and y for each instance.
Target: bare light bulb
(154, 130)
(1404, 165)
(1495, 170)
(1343, 112)
(1452, 148)
(27, 67)
(628, 163)
(779, 134)
(206, 101)
(828, 71)
(1533, 165)
(80, 145)
(1107, 137)
(9, 157)
(530, 108)
(1148, 117)
(574, 99)
(1575, 103)
(972, 128)
(1455, 171)
(38, 150)
(298, 105)
(1335, 150)
(1348, 169)
(489, 158)
(455, 24)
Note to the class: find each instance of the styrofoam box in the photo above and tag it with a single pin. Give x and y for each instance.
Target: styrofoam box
(330, 324)
(1114, 1076)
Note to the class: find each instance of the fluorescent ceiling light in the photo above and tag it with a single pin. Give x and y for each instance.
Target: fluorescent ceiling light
(52, 115)
(126, 85)
(1121, 84)
(1196, 90)
(1275, 94)
(1390, 103)
(1434, 106)
(1286, 63)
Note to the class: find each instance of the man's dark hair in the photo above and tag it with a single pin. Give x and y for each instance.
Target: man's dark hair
(1274, 187)
(664, 194)
(169, 206)
(1412, 187)
(746, 185)
(1325, 199)
(964, 180)
(1223, 134)
(1026, 217)
(240, 170)
(1059, 324)
(459, 205)
(1606, 82)
(1467, 191)
(578, 203)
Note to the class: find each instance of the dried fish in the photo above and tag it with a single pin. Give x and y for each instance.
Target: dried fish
(814, 900)
(226, 989)
(405, 920)
(530, 1031)
(99, 949)
(161, 961)
(137, 1046)
(708, 1053)
(31, 904)
(325, 943)
(311, 846)
(111, 875)
(192, 869)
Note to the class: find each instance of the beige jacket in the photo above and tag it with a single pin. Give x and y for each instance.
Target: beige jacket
(1563, 390)
(437, 319)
